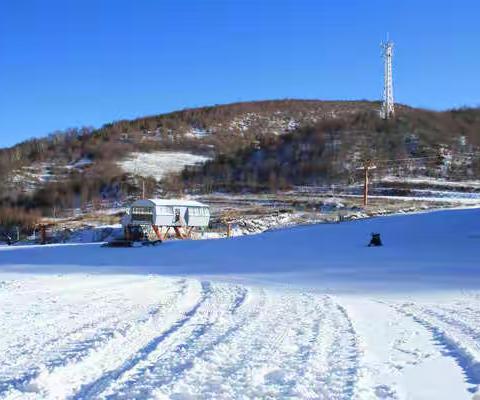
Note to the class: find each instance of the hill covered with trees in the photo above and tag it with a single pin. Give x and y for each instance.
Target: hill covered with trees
(266, 145)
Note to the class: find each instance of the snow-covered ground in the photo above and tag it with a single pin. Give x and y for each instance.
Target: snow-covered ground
(433, 196)
(425, 180)
(307, 312)
(160, 163)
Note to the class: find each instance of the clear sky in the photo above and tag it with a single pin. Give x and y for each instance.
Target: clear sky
(66, 63)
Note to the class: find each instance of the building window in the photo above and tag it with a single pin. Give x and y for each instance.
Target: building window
(164, 210)
(144, 214)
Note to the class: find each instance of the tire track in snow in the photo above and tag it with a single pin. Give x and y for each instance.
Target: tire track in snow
(63, 381)
(456, 338)
(66, 348)
(210, 326)
(252, 308)
(332, 367)
(346, 343)
(272, 349)
(287, 342)
(60, 317)
(218, 340)
(469, 312)
(453, 318)
(95, 388)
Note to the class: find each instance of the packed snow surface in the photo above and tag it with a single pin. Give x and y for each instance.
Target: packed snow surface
(158, 164)
(308, 312)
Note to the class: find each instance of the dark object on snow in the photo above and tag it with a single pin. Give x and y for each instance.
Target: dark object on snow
(135, 234)
(375, 240)
(131, 243)
(118, 243)
(151, 242)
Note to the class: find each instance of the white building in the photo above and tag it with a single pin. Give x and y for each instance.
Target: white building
(168, 213)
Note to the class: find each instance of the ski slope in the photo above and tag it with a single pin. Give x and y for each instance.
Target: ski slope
(308, 313)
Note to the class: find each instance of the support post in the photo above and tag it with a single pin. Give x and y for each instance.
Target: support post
(365, 187)
(43, 234)
(229, 229)
(179, 233)
(166, 233)
(367, 165)
(157, 232)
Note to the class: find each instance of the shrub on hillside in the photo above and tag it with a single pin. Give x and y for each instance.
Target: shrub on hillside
(11, 217)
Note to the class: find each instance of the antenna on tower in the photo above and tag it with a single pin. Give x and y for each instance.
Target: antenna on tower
(387, 110)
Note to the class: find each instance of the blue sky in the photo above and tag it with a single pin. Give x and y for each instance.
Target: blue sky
(66, 63)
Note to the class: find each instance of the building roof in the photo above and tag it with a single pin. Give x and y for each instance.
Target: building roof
(170, 202)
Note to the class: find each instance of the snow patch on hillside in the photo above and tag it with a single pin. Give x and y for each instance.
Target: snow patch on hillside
(80, 164)
(30, 178)
(198, 133)
(425, 180)
(160, 163)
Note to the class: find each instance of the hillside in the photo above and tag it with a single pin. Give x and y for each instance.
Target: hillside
(417, 143)
(267, 146)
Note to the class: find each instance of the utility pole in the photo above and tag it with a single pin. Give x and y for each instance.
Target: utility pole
(143, 188)
(367, 165)
(228, 218)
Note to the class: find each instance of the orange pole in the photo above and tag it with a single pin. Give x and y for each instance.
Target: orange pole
(43, 234)
(166, 233)
(365, 187)
(157, 232)
(229, 229)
